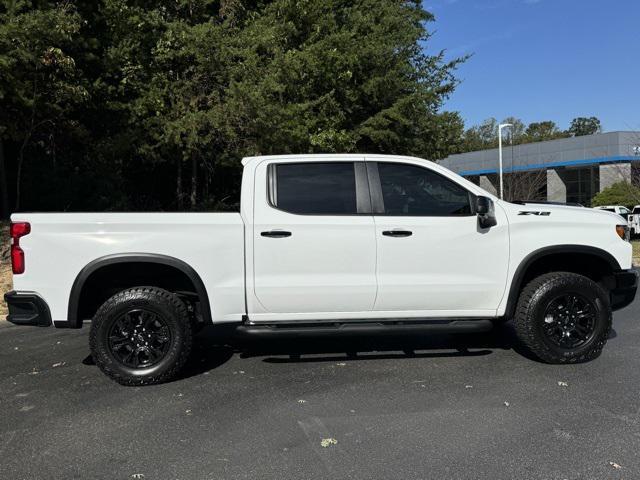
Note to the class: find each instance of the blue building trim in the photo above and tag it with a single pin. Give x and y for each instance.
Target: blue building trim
(539, 166)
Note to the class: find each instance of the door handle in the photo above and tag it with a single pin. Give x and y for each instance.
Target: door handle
(276, 234)
(397, 233)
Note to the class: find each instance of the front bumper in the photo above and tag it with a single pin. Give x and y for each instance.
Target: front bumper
(27, 308)
(626, 284)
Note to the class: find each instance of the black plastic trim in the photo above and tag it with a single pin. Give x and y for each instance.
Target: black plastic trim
(397, 233)
(375, 327)
(624, 292)
(375, 188)
(27, 308)
(363, 197)
(516, 283)
(276, 234)
(73, 321)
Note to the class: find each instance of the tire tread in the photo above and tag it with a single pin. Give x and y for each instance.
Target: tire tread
(151, 294)
(523, 325)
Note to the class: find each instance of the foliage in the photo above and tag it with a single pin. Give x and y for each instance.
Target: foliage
(485, 135)
(40, 86)
(543, 131)
(584, 126)
(123, 104)
(620, 193)
(515, 133)
(481, 137)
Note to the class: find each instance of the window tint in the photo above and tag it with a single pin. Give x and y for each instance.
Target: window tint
(609, 210)
(417, 191)
(316, 188)
(635, 210)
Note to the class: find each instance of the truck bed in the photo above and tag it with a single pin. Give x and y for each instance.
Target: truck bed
(60, 245)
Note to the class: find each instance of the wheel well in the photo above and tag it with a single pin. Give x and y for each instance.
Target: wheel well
(592, 263)
(97, 283)
(589, 265)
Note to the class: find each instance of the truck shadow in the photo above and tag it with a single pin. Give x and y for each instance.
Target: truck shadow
(214, 347)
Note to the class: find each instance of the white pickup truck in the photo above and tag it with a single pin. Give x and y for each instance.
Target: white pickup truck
(633, 220)
(325, 244)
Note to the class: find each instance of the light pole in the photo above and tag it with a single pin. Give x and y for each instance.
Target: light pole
(500, 127)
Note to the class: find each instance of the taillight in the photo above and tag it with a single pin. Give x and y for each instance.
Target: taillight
(18, 229)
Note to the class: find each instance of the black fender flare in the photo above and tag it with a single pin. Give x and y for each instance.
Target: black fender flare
(73, 320)
(518, 277)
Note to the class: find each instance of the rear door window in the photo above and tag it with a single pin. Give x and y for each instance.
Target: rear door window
(315, 188)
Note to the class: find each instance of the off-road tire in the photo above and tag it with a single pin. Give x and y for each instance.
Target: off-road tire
(530, 315)
(174, 315)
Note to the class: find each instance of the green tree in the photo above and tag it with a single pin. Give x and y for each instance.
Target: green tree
(542, 131)
(485, 135)
(515, 133)
(39, 84)
(581, 126)
(150, 105)
(481, 137)
(620, 193)
(207, 86)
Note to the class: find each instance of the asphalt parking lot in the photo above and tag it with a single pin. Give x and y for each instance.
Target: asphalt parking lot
(454, 407)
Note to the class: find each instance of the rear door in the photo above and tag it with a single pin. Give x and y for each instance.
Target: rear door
(433, 258)
(314, 239)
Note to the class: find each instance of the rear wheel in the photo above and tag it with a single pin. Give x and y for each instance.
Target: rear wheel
(563, 318)
(141, 336)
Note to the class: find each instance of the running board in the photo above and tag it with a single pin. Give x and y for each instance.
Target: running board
(297, 330)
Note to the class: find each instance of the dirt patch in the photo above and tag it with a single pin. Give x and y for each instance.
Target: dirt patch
(5, 267)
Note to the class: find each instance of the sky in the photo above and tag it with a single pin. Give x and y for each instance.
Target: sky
(542, 59)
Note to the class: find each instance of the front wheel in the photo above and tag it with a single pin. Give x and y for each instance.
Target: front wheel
(141, 336)
(563, 318)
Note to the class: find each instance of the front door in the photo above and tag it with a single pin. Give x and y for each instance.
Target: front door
(433, 259)
(314, 239)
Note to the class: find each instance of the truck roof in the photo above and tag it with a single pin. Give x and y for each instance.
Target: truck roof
(314, 157)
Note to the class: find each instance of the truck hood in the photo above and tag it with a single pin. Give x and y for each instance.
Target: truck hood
(556, 212)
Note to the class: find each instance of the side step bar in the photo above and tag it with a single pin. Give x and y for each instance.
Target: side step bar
(292, 330)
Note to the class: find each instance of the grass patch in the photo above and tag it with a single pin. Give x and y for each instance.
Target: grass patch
(636, 252)
(5, 267)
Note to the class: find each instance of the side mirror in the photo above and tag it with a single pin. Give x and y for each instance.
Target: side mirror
(486, 212)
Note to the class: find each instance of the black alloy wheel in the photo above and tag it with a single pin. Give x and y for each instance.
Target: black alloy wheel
(562, 317)
(569, 321)
(139, 338)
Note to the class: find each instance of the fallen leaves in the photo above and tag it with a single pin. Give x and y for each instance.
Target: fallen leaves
(327, 442)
